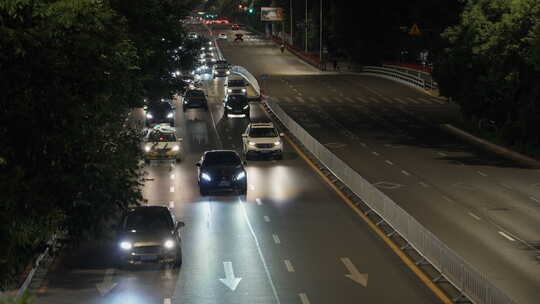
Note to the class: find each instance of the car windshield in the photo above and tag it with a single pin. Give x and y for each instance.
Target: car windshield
(148, 220)
(161, 136)
(262, 132)
(222, 66)
(159, 107)
(236, 83)
(195, 94)
(221, 158)
(236, 99)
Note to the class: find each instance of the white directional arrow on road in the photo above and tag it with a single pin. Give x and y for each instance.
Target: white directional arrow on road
(354, 274)
(107, 285)
(230, 280)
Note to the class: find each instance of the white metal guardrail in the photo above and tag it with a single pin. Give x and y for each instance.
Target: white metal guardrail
(453, 267)
(418, 80)
(248, 76)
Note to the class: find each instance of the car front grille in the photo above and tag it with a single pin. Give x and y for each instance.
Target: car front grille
(264, 146)
(147, 250)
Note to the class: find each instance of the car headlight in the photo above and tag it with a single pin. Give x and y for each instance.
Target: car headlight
(147, 148)
(209, 42)
(170, 115)
(126, 245)
(243, 90)
(228, 72)
(241, 175)
(203, 48)
(206, 177)
(149, 116)
(169, 244)
(229, 107)
(229, 90)
(251, 143)
(245, 107)
(210, 48)
(277, 143)
(176, 148)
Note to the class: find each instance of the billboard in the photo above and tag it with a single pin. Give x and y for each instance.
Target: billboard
(271, 14)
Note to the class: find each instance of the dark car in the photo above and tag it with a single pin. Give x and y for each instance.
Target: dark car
(158, 112)
(221, 170)
(195, 99)
(235, 27)
(149, 235)
(236, 106)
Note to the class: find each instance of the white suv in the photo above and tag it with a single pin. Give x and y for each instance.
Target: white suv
(262, 139)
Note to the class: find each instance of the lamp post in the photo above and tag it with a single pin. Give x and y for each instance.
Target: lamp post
(306, 25)
(291, 17)
(320, 31)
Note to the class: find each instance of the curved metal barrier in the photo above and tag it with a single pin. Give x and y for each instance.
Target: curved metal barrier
(452, 266)
(416, 79)
(248, 77)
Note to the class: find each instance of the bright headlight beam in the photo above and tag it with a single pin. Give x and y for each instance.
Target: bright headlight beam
(149, 116)
(169, 244)
(147, 148)
(176, 148)
(170, 115)
(206, 177)
(241, 175)
(277, 143)
(126, 245)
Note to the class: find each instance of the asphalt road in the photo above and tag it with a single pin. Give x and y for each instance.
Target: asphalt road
(290, 240)
(484, 207)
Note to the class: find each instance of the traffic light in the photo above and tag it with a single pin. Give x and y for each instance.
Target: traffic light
(240, 6)
(251, 11)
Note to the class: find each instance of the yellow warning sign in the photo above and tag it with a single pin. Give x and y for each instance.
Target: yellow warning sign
(415, 31)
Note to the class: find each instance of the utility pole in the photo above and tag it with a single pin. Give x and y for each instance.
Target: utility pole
(320, 31)
(306, 25)
(291, 17)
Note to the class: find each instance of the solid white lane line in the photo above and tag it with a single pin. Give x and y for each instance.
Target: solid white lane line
(476, 217)
(405, 172)
(289, 266)
(447, 198)
(167, 301)
(259, 202)
(506, 236)
(266, 219)
(263, 260)
(481, 173)
(389, 162)
(424, 184)
(375, 153)
(171, 204)
(535, 199)
(276, 239)
(303, 298)
(171, 189)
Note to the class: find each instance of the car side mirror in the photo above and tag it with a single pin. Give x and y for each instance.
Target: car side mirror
(179, 225)
(281, 134)
(244, 163)
(198, 164)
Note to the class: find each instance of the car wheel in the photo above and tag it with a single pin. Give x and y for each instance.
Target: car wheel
(203, 191)
(172, 123)
(123, 264)
(178, 261)
(206, 108)
(146, 161)
(279, 156)
(243, 190)
(184, 109)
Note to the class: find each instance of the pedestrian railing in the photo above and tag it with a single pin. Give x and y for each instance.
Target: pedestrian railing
(453, 267)
(415, 78)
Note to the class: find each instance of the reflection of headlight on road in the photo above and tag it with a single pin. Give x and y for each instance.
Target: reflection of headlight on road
(147, 148)
(243, 90)
(176, 148)
(245, 107)
(206, 177)
(251, 143)
(241, 175)
(229, 107)
(126, 245)
(277, 143)
(170, 115)
(169, 244)
(149, 116)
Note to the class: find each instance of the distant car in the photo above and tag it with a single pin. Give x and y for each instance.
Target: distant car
(195, 99)
(262, 139)
(207, 57)
(161, 143)
(221, 69)
(222, 36)
(221, 170)
(235, 27)
(236, 87)
(158, 112)
(236, 106)
(192, 35)
(150, 234)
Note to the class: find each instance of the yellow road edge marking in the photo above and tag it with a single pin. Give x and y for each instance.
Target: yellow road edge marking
(419, 273)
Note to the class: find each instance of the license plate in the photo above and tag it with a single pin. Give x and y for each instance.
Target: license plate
(148, 257)
(224, 184)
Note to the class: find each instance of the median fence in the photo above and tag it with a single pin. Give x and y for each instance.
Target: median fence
(410, 77)
(453, 267)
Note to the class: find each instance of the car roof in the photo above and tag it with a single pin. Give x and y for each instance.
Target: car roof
(164, 128)
(151, 210)
(262, 125)
(220, 151)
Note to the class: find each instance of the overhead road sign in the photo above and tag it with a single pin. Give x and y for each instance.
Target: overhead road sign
(271, 14)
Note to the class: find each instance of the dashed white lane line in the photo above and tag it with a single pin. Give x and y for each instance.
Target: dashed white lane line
(389, 162)
(259, 202)
(171, 189)
(266, 219)
(481, 173)
(289, 266)
(507, 186)
(276, 239)
(363, 144)
(171, 204)
(442, 154)
(506, 236)
(535, 199)
(375, 153)
(405, 172)
(424, 184)
(173, 176)
(447, 198)
(476, 217)
(167, 301)
(304, 298)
